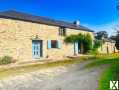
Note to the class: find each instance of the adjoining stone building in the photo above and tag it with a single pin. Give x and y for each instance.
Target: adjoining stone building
(108, 47)
(27, 37)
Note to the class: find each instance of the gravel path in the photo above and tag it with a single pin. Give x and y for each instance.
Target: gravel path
(71, 77)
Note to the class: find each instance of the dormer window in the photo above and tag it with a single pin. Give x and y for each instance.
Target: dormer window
(62, 31)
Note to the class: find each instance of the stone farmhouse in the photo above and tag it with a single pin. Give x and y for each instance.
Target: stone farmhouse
(28, 37)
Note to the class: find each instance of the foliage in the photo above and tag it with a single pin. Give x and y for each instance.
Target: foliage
(93, 52)
(88, 44)
(74, 38)
(5, 60)
(97, 44)
(85, 39)
(101, 35)
(111, 73)
(71, 39)
(117, 44)
(117, 40)
(81, 37)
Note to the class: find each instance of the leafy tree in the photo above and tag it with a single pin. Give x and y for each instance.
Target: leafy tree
(97, 44)
(80, 37)
(71, 39)
(101, 35)
(117, 40)
(88, 44)
(85, 40)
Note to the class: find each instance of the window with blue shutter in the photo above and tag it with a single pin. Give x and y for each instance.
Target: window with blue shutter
(54, 44)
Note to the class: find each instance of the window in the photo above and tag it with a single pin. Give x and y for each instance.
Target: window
(62, 31)
(54, 44)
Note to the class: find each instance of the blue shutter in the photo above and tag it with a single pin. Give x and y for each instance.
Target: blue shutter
(58, 44)
(49, 44)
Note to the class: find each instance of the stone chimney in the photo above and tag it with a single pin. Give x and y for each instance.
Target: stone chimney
(77, 22)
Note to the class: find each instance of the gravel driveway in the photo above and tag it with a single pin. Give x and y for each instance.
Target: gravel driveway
(71, 77)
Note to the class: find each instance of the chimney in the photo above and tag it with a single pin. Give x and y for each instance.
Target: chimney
(77, 22)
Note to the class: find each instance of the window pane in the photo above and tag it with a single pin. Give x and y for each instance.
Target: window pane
(62, 31)
(53, 43)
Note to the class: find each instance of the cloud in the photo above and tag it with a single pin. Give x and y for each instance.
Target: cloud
(111, 27)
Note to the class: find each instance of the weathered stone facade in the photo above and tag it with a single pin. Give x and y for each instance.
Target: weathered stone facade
(108, 47)
(16, 39)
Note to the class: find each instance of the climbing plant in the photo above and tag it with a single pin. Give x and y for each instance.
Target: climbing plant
(84, 39)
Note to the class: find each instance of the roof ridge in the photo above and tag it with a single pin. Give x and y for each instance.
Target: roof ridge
(13, 14)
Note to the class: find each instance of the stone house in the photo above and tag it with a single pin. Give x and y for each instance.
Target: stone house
(27, 37)
(108, 47)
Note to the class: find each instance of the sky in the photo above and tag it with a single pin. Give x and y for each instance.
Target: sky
(97, 15)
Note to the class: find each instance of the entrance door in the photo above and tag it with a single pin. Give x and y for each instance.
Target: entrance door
(37, 48)
(76, 48)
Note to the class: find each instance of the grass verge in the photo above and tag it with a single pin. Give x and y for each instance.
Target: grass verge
(111, 73)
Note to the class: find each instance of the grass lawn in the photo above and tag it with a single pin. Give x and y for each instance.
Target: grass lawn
(6, 72)
(111, 73)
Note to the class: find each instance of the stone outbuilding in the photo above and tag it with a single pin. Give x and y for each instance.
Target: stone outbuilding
(108, 47)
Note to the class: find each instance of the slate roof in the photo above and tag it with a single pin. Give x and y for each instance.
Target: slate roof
(11, 14)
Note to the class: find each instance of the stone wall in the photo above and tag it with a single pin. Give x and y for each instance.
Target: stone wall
(108, 47)
(16, 39)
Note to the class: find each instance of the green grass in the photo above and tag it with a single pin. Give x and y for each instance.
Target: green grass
(111, 73)
(6, 72)
(103, 61)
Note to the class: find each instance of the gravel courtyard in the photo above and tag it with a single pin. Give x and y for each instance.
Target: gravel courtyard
(71, 77)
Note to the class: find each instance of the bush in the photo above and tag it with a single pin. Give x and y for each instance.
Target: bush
(5, 60)
(71, 39)
(88, 43)
(85, 39)
(93, 52)
(97, 44)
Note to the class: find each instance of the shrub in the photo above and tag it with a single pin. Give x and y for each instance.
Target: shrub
(93, 52)
(85, 39)
(71, 39)
(5, 60)
(88, 44)
(97, 44)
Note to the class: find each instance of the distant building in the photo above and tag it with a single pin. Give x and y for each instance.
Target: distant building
(108, 47)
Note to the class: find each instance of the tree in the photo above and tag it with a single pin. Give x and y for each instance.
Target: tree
(88, 43)
(97, 44)
(101, 35)
(85, 40)
(117, 40)
(71, 39)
